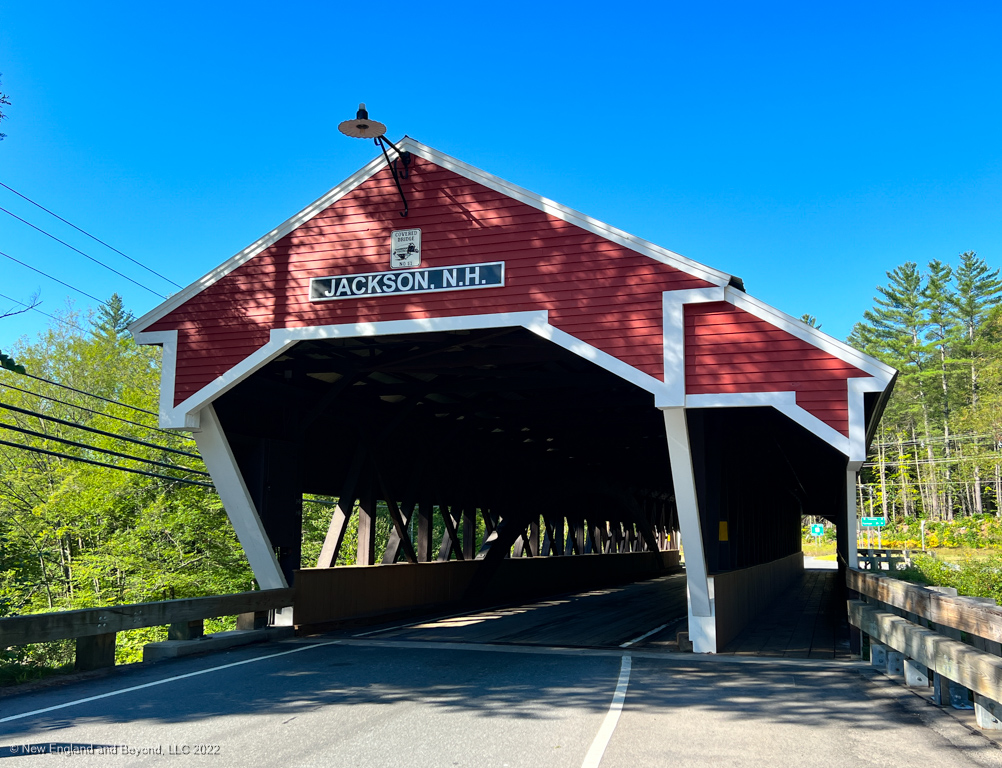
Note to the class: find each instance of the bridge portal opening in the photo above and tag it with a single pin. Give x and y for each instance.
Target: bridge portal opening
(497, 419)
(559, 456)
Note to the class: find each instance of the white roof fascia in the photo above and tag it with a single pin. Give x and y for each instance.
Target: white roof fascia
(813, 336)
(491, 181)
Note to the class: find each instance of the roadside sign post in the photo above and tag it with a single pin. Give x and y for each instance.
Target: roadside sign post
(874, 522)
(817, 531)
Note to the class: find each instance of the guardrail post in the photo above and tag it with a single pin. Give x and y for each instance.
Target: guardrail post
(960, 696)
(252, 620)
(988, 713)
(895, 663)
(916, 675)
(186, 630)
(878, 655)
(95, 652)
(940, 690)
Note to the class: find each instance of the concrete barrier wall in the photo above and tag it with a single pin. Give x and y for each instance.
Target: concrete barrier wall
(328, 595)
(740, 595)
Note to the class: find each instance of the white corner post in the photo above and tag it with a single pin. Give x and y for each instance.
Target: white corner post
(851, 473)
(702, 622)
(229, 482)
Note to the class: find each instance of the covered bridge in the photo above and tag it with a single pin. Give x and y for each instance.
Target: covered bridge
(497, 353)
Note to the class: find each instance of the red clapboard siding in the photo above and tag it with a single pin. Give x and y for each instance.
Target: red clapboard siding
(730, 350)
(594, 289)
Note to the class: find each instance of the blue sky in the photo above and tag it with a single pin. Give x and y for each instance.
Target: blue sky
(806, 148)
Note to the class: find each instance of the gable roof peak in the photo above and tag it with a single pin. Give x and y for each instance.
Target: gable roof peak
(466, 170)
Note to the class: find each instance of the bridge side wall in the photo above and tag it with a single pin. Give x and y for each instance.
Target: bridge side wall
(740, 595)
(348, 593)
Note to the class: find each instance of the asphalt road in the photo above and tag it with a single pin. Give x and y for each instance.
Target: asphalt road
(394, 699)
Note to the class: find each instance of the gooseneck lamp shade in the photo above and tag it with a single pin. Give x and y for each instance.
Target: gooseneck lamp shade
(362, 127)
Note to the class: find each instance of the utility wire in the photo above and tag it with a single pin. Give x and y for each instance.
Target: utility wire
(96, 431)
(102, 464)
(88, 394)
(45, 274)
(75, 444)
(85, 255)
(98, 413)
(36, 309)
(92, 237)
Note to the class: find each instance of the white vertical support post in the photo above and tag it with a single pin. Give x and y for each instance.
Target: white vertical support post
(237, 501)
(702, 622)
(850, 511)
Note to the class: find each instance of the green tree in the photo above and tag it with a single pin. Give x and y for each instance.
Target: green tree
(112, 319)
(943, 336)
(74, 534)
(979, 289)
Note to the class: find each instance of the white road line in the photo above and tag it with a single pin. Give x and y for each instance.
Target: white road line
(597, 749)
(654, 631)
(164, 681)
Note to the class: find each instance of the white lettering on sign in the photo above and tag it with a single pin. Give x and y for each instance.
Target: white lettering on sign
(427, 280)
(405, 248)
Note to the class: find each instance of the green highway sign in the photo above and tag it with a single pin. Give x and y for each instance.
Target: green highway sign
(874, 522)
(817, 530)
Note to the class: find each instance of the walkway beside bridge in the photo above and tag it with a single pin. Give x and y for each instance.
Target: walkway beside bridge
(807, 621)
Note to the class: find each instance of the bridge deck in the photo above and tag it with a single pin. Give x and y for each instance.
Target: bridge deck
(601, 618)
(808, 621)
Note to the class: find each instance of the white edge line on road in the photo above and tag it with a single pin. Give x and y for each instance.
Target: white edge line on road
(654, 631)
(602, 738)
(164, 681)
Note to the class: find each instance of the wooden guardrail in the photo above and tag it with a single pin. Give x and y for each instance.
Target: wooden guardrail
(874, 559)
(950, 642)
(95, 628)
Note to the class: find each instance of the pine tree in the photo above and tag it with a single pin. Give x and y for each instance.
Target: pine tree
(979, 290)
(942, 334)
(894, 331)
(112, 321)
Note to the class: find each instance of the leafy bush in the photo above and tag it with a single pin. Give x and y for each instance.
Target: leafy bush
(975, 578)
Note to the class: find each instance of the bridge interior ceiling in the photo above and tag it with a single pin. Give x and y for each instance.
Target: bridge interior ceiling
(495, 418)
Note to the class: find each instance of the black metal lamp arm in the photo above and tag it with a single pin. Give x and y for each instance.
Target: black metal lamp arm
(382, 141)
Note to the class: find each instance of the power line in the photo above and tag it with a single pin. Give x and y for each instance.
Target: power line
(85, 255)
(96, 431)
(106, 451)
(88, 394)
(103, 464)
(92, 237)
(45, 274)
(36, 309)
(175, 435)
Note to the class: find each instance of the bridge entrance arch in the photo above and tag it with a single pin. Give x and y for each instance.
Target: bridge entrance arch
(528, 364)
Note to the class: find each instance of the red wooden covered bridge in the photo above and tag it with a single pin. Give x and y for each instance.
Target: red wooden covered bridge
(496, 354)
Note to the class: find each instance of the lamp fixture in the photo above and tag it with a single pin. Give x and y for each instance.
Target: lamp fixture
(364, 128)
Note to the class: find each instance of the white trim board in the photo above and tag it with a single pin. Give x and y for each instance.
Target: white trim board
(784, 402)
(185, 414)
(853, 446)
(488, 180)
